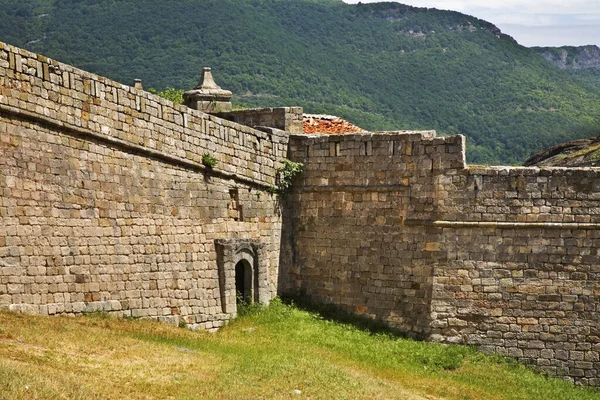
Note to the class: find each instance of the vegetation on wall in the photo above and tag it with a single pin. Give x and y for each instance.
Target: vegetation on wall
(382, 66)
(286, 174)
(208, 160)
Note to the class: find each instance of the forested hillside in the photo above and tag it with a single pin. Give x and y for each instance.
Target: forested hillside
(381, 66)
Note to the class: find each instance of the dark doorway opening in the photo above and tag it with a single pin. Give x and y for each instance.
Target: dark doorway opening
(243, 282)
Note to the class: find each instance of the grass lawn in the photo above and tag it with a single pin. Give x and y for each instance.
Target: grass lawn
(278, 352)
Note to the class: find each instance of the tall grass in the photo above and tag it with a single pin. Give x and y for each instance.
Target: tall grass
(274, 352)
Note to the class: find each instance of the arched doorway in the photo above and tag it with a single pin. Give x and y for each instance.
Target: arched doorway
(243, 282)
(243, 273)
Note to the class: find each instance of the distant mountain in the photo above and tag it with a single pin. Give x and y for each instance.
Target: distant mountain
(378, 65)
(582, 62)
(570, 57)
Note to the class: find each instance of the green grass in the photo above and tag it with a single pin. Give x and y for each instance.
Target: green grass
(277, 352)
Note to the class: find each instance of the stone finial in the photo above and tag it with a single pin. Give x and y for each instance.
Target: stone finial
(137, 83)
(208, 96)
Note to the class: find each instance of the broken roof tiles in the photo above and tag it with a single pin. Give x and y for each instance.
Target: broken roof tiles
(328, 124)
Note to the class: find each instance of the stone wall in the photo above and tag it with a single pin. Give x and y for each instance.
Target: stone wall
(346, 223)
(105, 203)
(522, 269)
(398, 228)
(287, 119)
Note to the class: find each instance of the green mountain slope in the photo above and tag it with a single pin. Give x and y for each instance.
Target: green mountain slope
(382, 66)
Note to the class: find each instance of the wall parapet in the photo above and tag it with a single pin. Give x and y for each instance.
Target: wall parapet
(60, 92)
(128, 146)
(379, 144)
(522, 195)
(375, 158)
(288, 119)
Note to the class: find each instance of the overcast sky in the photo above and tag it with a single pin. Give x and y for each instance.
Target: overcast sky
(530, 22)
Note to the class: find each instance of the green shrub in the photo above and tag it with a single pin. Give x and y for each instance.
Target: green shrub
(208, 160)
(172, 94)
(286, 174)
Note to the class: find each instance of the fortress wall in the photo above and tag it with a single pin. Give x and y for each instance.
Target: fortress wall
(522, 275)
(104, 205)
(527, 195)
(505, 258)
(346, 223)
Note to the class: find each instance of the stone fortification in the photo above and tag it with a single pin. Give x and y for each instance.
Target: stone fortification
(520, 270)
(346, 222)
(106, 204)
(398, 228)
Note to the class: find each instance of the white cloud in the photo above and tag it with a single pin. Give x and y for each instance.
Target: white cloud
(526, 20)
(554, 35)
(530, 22)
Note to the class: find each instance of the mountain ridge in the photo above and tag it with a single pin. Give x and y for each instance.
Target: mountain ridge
(581, 62)
(571, 57)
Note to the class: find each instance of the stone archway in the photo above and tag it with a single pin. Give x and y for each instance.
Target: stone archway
(242, 268)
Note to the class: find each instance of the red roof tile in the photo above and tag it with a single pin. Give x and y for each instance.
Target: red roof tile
(328, 124)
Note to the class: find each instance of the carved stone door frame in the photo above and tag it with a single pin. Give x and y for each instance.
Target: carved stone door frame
(229, 253)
